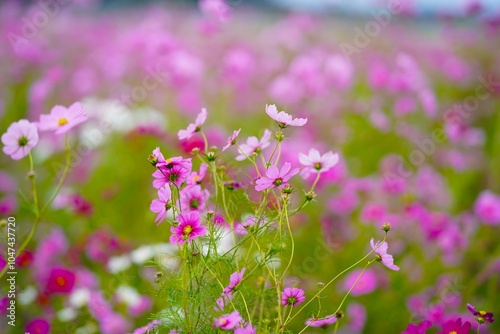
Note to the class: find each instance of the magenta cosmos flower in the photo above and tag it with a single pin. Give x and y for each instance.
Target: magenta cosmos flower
(487, 207)
(321, 322)
(189, 228)
(20, 138)
(62, 119)
(292, 297)
(276, 178)
(60, 281)
(234, 280)
(228, 321)
(382, 256)
(282, 118)
(38, 326)
(197, 177)
(317, 163)
(254, 145)
(193, 198)
(456, 327)
(482, 316)
(231, 140)
(174, 170)
(162, 204)
(421, 328)
(193, 127)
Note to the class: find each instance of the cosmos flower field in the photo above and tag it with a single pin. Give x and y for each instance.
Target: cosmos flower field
(224, 170)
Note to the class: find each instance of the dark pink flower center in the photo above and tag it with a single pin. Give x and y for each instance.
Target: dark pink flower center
(278, 182)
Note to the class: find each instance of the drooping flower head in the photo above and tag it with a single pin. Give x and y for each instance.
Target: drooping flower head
(282, 118)
(20, 138)
(231, 140)
(234, 280)
(482, 316)
(382, 256)
(276, 178)
(456, 327)
(188, 229)
(162, 204)
(254, 145)
(193, 127)
(62, 119)
(292, 296)
(228, 321)
(317, 163)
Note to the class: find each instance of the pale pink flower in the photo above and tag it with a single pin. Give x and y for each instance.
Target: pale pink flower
(234, 280)
(193, 127)
(197, 177)
(246, 330)
(382, 256)
(193, 198)
(254, 145)
(487, 207)
(231, 140)
(20, 138)
(228, 321)
(321, 322)
(276, 178)
(282, 118)
(162, 204)
(317, 163)
(62, 119)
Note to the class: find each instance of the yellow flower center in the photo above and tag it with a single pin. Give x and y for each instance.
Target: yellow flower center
(187, 230)
(62, 121)
(60, 281)
(196, 178)
(223, 321)
(482, 313)
(453, 332)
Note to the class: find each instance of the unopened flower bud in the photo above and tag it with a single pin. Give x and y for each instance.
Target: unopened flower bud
(386, 227)
(321, 284)
(31, 174)
(3, 223)
(287, 189)
(339, 315)
(211, 156)
(310, 196)
(152, 159)
(195, 151)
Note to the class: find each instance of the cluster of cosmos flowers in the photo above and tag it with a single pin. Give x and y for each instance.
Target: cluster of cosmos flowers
(252, 210)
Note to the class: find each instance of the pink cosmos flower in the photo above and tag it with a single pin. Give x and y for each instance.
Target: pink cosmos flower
(156, 158)
(162, 204)
(197, 177)
(188, 229)
(148, 328)
(193, 127)
(231, 140)
(222, 301)
(38, 326)
(216, 11)
(482, 316)
(228, 321)
(62, 119)
(487, 207)
(282, 118)
(382, 256)
(246, 330)
(60, 281)
(193, 198)
(176, 170)
(421, 328)
(321, 322)
(316, 163)
(292, 297)
(20, 138)
(234, 280)
(366, 283)
(254, 145)
(456, 327)
(276, 178)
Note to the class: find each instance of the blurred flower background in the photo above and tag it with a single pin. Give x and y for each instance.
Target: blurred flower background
(407, 92)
